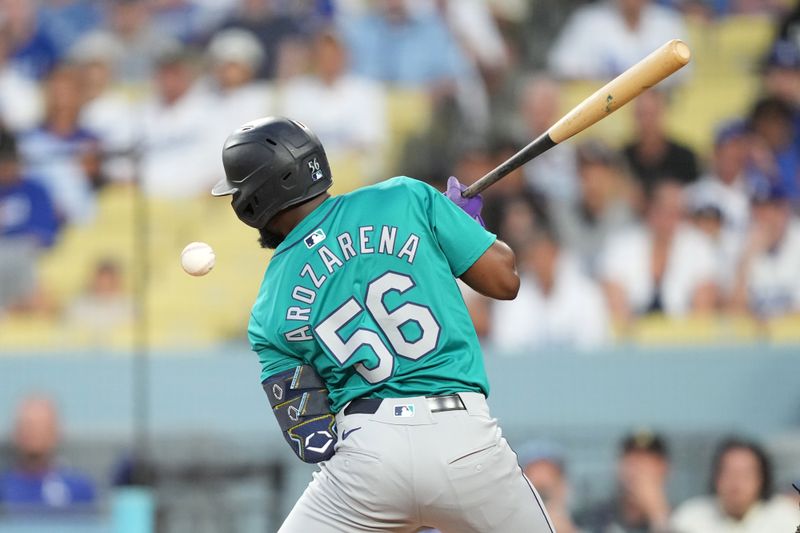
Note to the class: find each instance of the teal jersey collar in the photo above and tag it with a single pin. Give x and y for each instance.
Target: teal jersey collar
(315, 218)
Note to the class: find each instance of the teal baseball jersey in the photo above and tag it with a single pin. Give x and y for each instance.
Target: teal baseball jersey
(364, 290)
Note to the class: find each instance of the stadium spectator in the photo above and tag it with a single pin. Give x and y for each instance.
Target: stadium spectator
(663, 266)
(185, 21)
(294, 60)
(272, 28)
(782, 78)
(393, 44)
(653, 155)
(141, 44)
(554, 296)
(26, 209)
(705, 214)
(104, 303)
(27, 225)
(67, 21)
(61, 153)
(778, 155)
(519, 217)
(603, 206)
(473, 26)
(640, 503)
(347, 111)
(511, 210)
(36, 483)
(235, 57)
(20, 99)
(544, 465)
(730, 176)
(767, 282)
(475, 162)
(180, 156)
(553, 173)
(32, 49)
(602, 40)
(109, 111)
(741, 499)
(789, 25)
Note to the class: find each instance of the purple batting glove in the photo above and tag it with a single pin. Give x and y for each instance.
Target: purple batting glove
(471, 206)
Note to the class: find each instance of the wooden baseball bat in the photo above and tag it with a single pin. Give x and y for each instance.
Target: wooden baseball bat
(649, 71)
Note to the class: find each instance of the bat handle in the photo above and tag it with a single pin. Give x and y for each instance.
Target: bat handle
(540, 145)
(492, 177)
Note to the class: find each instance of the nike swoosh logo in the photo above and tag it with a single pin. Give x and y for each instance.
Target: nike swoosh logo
(347, 433)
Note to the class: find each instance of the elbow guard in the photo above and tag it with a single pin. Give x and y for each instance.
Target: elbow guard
(299, 400)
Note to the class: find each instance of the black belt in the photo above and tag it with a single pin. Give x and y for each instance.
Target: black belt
(436, 404)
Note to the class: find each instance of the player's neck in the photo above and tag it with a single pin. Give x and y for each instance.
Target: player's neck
(286, 221)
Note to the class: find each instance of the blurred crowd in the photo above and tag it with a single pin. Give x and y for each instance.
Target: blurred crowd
(742, 496)
(142, 93)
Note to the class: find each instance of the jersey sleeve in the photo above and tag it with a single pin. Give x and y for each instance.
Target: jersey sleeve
(272, 358)
(461, 239)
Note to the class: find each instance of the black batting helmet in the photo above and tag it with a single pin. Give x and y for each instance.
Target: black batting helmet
(271, 164)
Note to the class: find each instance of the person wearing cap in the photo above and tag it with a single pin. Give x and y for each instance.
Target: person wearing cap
(544, 465)
(767, 281)
(640, 503)
(781, 77)
(727, 181)
(741, 498)
(706, 213)
(774, 148)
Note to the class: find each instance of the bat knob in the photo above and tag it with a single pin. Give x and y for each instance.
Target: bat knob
(681, 51)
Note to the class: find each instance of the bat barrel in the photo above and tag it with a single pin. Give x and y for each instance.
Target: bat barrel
(663, 62)
(660, 64)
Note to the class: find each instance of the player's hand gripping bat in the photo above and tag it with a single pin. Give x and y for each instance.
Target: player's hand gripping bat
(649, 71)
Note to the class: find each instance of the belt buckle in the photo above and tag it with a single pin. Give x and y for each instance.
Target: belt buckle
(451, 402)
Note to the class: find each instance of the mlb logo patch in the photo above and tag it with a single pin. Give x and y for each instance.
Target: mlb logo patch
(316, 173)
(404, 411)
(314, 238)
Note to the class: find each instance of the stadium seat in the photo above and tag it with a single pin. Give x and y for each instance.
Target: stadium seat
(659, 330)
(409, 113)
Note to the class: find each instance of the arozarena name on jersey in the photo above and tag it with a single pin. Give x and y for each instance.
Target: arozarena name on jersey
(368, 241)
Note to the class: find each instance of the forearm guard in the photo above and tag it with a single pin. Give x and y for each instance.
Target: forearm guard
(299, 400)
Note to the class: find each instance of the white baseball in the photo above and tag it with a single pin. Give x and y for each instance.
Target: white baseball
(198, 258)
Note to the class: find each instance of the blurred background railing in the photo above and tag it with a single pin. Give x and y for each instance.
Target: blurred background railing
(217, 464)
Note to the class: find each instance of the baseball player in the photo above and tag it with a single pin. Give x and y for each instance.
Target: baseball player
(368, 355)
